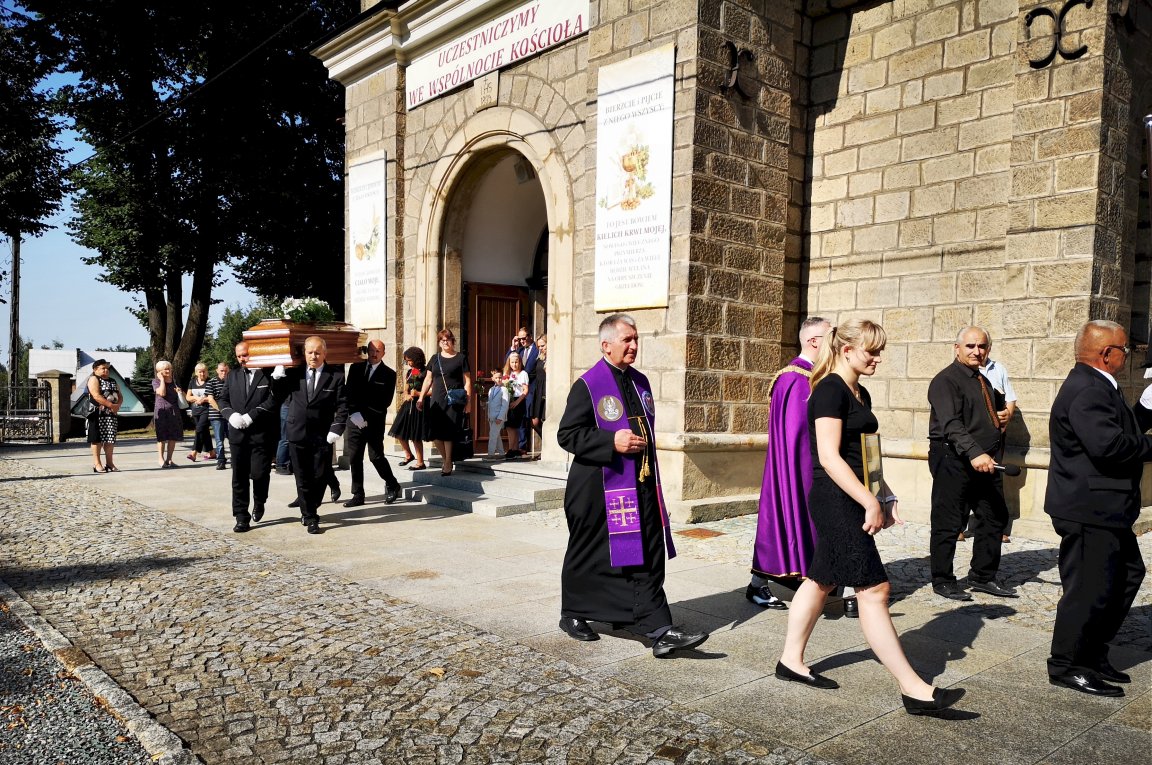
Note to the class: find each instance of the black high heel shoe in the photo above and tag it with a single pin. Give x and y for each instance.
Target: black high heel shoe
(942, 698)
(98, 470)
(402, 463)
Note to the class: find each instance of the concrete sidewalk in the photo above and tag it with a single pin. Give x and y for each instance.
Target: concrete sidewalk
(409, 633)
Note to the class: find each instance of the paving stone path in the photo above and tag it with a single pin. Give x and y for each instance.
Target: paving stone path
(251, 658)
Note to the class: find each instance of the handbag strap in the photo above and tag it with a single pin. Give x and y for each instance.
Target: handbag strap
(443, 381)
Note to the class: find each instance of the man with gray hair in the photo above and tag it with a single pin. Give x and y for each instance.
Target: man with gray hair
(618, 531)
(785, 535)
(964, 435)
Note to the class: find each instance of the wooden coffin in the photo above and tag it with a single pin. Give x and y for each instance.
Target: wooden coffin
(277, 341)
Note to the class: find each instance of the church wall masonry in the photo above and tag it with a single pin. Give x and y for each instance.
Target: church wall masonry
(924, 163)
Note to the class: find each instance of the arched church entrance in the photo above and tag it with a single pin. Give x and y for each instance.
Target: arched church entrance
(496, 241)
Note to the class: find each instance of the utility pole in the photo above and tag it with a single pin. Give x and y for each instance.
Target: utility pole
(14, 328)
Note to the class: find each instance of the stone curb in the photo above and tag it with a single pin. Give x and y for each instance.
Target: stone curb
(165, 747)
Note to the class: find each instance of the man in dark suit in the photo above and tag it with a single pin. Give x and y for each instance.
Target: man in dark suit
(529, 354)
(247, 405)
(317, 412)
(371, 389)
(1098, 453)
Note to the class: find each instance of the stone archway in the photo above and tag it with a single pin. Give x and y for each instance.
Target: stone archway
(485, 138)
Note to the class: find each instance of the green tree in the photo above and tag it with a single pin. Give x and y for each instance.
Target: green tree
(31, 162)
(221, 344)
(218, 141)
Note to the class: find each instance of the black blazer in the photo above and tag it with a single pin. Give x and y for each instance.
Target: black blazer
(256, 401)
(371, 397)
(1098, 452)
(327, 410)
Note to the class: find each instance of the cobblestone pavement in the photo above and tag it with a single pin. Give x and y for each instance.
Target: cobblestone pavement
(251, 658)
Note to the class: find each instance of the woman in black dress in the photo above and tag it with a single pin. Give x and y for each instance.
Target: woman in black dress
(847, 516)
(447, 371)
(408, 427)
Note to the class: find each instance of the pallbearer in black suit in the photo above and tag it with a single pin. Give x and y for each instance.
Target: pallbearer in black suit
(618, 531)
(253, 418)
(317, 413)
(1098, 455)
(371, 389)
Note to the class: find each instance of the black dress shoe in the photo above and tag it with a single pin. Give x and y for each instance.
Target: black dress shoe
(676, 639)
(812, 679)
(356, 501)
(851, 608)
(1086, 682)
(578, 629)
(257, 512)
(314, 528)
(219, 465)
(763, 597)
(992, 588)
(391, 495)
(951, 590)
(336, 495)
(294, 503)
(241, 527)
(1113, 675)
(942, 698)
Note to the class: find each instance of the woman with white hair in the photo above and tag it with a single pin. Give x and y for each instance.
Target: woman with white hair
(169, 425)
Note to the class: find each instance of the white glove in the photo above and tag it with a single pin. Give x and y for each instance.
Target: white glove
(247, 419)
(279, 372)
(332, 437)
(358, 420)
(236, 420)
(1146, 398)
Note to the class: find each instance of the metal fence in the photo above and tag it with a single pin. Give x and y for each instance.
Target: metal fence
(26, 414)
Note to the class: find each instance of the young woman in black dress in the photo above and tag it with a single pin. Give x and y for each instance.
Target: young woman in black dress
(847, 517)
(408, 427)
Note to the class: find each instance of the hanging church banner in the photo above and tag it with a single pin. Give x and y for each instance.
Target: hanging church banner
(367, 251)
(634, 181)
(492, 45)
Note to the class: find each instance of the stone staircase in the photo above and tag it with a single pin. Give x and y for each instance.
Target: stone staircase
(493, 489)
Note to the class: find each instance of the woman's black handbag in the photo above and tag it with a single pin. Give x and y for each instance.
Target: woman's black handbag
(462, 448)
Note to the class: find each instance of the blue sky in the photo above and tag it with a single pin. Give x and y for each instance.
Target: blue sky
(61, 298)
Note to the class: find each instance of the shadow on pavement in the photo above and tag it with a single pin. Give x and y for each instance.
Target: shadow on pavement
(49, 578)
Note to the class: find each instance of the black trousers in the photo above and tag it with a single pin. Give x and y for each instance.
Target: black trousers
(312, 468)
(372, 437)
(956, 486)
(251, 464)
(1100, 571)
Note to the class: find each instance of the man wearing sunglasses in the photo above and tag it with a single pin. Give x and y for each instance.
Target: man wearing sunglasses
(964, 437)
(1099, 448)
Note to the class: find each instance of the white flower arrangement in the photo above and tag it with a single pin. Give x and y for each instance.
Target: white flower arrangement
(307, 311)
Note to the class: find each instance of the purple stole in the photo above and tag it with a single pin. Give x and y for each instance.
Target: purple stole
(621, 500)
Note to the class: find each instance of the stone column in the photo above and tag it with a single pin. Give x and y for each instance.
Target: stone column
(61, 384)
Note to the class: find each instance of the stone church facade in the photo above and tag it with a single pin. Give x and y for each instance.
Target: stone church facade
(924, 163)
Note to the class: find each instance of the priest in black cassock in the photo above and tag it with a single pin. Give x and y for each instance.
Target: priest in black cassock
(618, 529)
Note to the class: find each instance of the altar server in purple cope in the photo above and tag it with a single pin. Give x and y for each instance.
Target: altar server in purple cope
(618, 529)
(785, 535)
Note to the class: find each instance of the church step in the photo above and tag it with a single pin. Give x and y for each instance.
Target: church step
(506, 486)
(492, 506)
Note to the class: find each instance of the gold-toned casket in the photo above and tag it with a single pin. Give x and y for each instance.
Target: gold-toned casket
(277, 341)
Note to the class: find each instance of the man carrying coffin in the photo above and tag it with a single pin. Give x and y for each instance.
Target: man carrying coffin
(618, 528)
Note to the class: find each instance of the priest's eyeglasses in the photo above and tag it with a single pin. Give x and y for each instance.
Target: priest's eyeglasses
(1125, 349)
